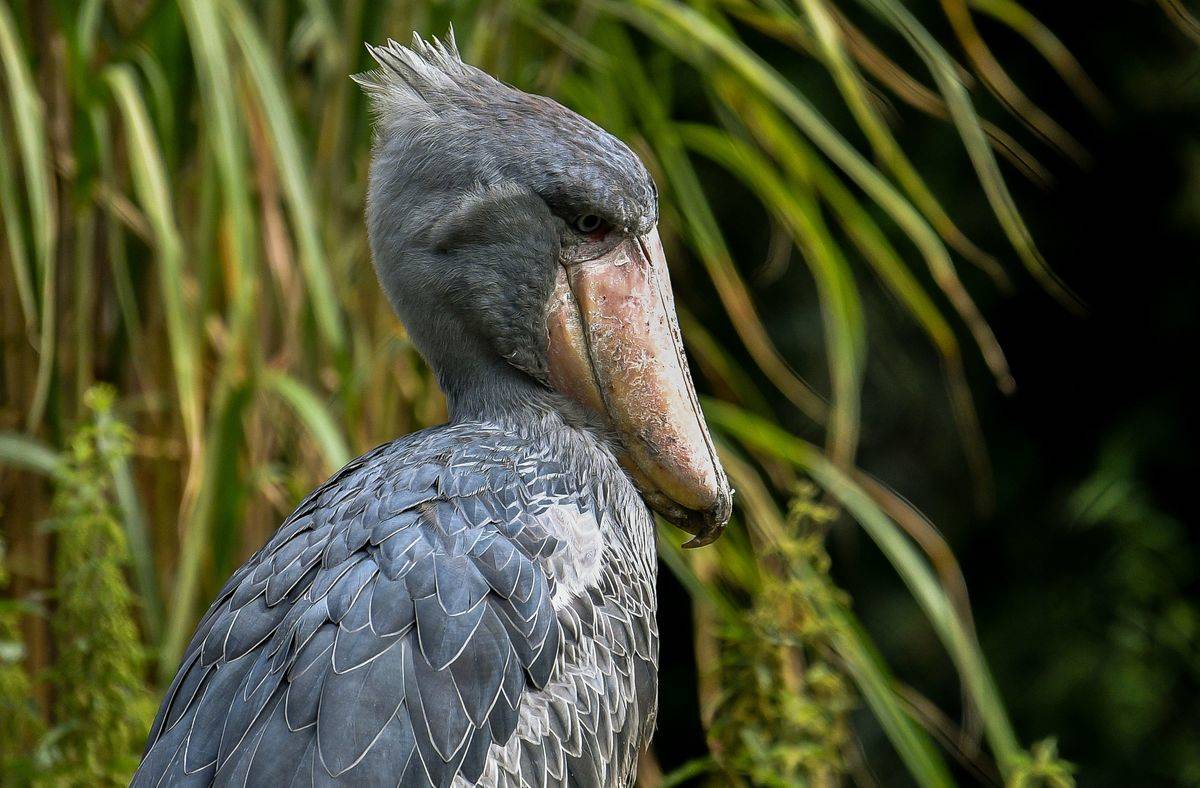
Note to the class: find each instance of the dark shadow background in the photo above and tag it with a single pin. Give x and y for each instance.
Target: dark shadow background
(1084, 572)
(1092, 616)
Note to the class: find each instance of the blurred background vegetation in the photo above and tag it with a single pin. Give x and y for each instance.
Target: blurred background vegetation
(854, 197)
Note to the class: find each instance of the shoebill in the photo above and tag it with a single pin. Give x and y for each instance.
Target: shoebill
(474, 603)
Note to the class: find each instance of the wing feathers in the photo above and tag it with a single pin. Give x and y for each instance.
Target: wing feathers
(393, 630)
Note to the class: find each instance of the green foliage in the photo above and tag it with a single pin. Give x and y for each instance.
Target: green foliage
(782, 718)
(1131, 636)
(102, 708)
(1153, 636)
(1043, 769)
(20, 724)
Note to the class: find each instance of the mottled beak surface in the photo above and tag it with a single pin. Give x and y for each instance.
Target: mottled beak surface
(615, 348)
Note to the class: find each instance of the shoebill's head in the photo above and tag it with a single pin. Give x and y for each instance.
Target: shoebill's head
(518, 242)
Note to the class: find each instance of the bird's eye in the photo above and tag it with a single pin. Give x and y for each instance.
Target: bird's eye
(589, 224)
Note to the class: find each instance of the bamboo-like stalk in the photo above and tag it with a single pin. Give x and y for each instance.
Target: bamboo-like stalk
(28, 117)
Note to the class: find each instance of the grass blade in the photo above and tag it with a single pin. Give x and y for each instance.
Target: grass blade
(840, 307)
(114, 239)
(781, 140)
(29, 121)
(1029, 27)
(910, 90)
(220, 453)
(1002, 85)
(289, 161)
(14, 234)
(28, 453)
(786, 145)
(763, 78)
(904, 557)
(313, 414)
(963, 114)
(854, 92)
(225, 135)
(154, 193)
(161, 101)
(1183, 19)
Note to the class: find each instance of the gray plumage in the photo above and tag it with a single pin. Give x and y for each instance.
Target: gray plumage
(471, 604)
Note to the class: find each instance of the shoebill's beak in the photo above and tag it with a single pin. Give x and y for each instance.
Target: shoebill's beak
(615, 348)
